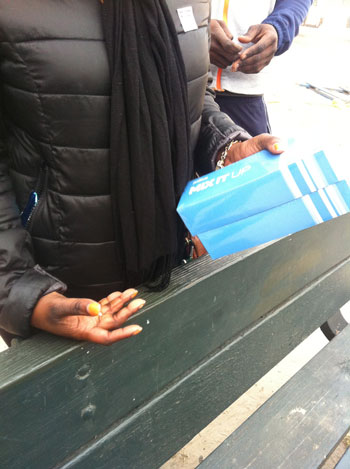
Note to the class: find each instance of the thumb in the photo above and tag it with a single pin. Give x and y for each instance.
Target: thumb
(276, 145)
(79, 307)
(250, 35)
(226, 30)
(268, 142)
(256, 144)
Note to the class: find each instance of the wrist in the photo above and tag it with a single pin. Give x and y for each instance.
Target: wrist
(41, 311)
(222, 154)
(273, 30)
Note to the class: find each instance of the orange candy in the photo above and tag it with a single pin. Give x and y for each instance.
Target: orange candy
(94, 309)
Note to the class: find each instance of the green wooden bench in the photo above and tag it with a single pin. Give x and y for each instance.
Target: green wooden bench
(300, 424)
(214, 332)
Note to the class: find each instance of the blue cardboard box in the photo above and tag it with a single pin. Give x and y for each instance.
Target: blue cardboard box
(256, 184)
(299, 214)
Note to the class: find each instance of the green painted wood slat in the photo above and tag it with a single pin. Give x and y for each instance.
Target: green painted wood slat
(344, 463)
(53, 390)
(167, 422)
(314, 403)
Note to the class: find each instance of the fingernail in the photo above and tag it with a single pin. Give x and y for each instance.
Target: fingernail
(137, 330)
(138, 303)
(279, 146)
(130, 293)
(94, 309)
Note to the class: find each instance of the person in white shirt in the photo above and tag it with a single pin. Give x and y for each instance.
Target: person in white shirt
(245, 36)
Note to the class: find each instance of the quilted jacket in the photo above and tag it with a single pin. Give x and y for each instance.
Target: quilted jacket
(54, 138)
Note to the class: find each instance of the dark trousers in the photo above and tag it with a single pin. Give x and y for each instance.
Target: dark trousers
(248, 112)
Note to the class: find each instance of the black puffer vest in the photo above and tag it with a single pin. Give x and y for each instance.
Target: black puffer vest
(54, 89)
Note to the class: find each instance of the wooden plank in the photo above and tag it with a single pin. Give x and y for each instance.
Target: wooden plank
(334, 325)
(301, 424)
(256, 280)
(344, 463)
(157, 430)
(88, 388)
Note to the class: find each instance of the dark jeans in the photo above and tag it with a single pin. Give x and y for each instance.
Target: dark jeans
(248, 112)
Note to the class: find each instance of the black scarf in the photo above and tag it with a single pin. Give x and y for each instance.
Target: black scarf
(149, 136)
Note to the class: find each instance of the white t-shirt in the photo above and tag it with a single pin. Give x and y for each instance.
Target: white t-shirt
(240, 15)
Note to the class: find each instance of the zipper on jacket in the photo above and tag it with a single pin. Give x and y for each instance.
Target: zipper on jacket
(34, 198)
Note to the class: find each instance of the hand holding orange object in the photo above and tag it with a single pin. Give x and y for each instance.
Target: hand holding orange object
(253, 59)
(223, 51)
(84, 319)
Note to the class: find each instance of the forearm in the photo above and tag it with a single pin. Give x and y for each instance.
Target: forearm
(22, 283)
(217, 129)
(286, 18)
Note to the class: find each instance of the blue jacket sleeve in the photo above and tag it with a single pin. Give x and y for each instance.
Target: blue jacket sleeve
(286, 18)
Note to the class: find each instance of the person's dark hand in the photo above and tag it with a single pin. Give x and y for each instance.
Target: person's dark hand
(256, 57)
(223, 52)
(84, 319)
(241, 150)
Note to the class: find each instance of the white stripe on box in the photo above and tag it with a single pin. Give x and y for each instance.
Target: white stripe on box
(315, 172)
(337, 199)
(289, 180)
(327, 203)
(310, 206)
(306, 176)
(339, 163)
